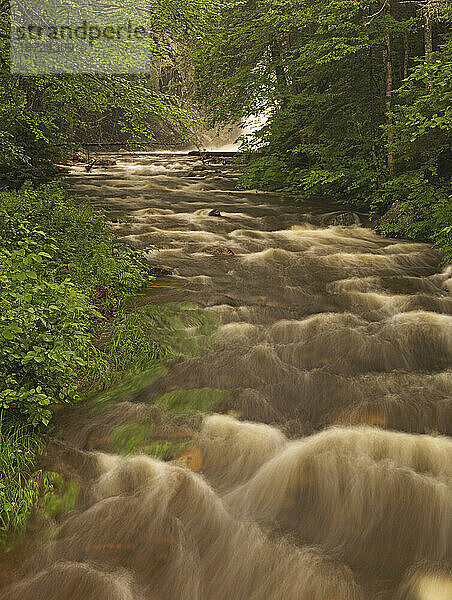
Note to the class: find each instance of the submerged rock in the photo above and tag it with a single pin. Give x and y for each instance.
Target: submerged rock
(218, 251)
(192, 458)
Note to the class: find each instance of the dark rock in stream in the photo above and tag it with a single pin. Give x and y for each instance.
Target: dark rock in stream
(78, 157)
(106, 162)
(398, 214)
(159, 271)
(215, 213)
(218, 251)
(101, 162)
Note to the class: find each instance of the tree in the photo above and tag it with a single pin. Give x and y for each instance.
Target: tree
(43, 116)
(339, 120)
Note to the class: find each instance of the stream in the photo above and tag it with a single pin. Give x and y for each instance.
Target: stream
(323, 470)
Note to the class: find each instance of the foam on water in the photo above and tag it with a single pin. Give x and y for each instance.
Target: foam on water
(326, 473)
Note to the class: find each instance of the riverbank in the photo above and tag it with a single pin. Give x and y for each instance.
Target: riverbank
(65, 280)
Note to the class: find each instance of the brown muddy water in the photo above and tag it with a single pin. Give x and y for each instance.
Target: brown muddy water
(324, 472)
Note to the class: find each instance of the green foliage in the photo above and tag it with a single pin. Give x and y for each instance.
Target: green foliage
(423, 117)
(86, 251)
(60, 496)
(44, 326)
(50, 266)
(269, 172)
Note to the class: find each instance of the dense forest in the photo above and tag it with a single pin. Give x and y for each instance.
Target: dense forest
(356, 97)
(355, 103)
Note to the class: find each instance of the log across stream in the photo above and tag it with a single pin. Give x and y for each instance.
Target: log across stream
(320, 465)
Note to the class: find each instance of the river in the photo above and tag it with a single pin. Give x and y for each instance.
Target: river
(324, 471)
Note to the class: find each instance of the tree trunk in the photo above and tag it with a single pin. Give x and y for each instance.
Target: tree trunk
(428, 40)
(428, 35)
(281, 79)
(406, 53)
(388, 103)
(372, 119)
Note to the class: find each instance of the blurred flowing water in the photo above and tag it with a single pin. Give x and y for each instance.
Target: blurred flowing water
(325, 474)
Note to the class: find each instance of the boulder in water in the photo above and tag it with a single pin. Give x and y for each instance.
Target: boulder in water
(192, 458)
(398, 214)
(106, 162)
(342, 219)
(159, 271)
(215, 213)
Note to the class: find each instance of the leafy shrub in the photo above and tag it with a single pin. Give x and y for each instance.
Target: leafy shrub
(53, 255)
(86, 249)
(25, 156)
(415, 209)
(44, 328)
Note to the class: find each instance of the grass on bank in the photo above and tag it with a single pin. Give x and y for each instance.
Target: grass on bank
(20, 482)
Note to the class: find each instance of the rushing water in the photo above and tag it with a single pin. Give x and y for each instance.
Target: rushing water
(327, 475)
